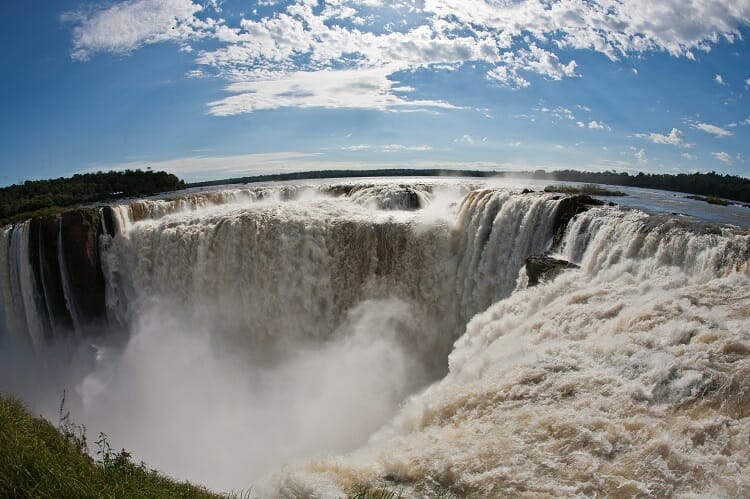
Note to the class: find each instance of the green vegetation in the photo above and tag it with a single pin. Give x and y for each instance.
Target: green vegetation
(41, 461)
(710, 200)
(589, 189)
(44, 197)
(705, 184)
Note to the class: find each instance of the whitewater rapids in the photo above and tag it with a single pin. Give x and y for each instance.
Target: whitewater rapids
(309, 339)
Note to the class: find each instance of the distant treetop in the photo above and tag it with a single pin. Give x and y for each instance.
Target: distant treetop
(37, 197)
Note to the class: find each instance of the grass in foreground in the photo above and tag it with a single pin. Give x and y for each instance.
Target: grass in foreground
(590, 189)
(41, 461)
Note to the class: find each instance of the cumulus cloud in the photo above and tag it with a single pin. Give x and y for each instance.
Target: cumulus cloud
(612, 28)
(688, 156)
(719, 79)
(304, 43)
(722, 156)
(714, 130)
(673, 138)
(598, 125)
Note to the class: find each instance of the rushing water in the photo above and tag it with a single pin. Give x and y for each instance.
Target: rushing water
(309, 338)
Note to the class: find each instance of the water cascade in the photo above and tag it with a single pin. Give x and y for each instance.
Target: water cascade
(295, 319)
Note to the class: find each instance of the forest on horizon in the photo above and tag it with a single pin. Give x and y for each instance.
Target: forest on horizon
(41, 197)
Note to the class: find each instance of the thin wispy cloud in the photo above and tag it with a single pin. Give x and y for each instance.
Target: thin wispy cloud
(714, 130)
(464, 139)
(385, 148)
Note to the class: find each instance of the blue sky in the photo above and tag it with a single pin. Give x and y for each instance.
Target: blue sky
(214, 89)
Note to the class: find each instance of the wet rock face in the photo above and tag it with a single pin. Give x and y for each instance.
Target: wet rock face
(569, 207)
(544, 267)
(49, 271)
(80, 231)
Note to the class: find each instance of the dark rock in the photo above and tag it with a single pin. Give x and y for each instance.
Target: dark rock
(544, 267)
(36, 271)
(567, 208)
(49, 267)
(109, 221)
(80, 231)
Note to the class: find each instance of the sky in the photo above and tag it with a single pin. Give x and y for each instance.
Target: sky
(210, 89)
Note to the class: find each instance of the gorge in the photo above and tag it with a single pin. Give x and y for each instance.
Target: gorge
(307, 338)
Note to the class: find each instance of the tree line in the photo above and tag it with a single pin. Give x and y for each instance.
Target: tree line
(707, 184)
(38, 197)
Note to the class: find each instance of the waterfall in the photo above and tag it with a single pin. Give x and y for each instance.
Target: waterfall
(391, 323)
(626, 376)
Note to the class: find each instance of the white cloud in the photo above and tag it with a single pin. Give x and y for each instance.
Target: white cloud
(125, 26)
(465, 139)
(712, 129)
(304, 45)
(386, 148)
(400, 148)
(614, 28)
(719, 79)
(594, 125)
(674, 138)
(747, 83)
(598, 125)
(722, 156)
(351, 89)
(197, 168)
(688, 156)
(641, 156)
(223, 166)
(558, 113)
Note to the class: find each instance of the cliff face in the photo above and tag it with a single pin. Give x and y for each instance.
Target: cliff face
(53, 283)
(80, 230)
(50, 275)
(48, 271)
(569, 207)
